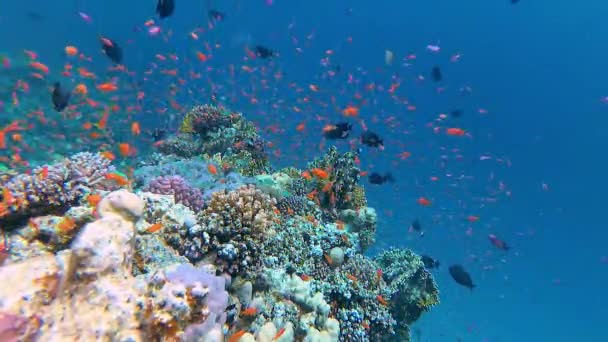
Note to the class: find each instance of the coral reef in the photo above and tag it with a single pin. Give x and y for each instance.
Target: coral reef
(334, 180)
(210, 246)
(60, 296)
(209, 131)
(52, 187)
(413, 290)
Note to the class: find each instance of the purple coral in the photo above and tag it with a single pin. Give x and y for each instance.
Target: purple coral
(180, 189)
(58, 185)
(216, 299)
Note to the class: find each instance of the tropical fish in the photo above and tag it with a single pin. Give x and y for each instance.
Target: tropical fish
(60, 97)
(376, 178)
(461, 276)
(165, 8)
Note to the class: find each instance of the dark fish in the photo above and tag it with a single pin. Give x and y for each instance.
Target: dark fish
(416, 225)
(337, 131)
(263, 52)
(60, 97)
(498, 243)
(112, 50)
(158, 134)
(215, 15)
(456, 113)
(371, 139)
(436, 74)
(376, 178)
(429, 262)
(514, 1)
(165, 8)
(34, 16)
(461, 276)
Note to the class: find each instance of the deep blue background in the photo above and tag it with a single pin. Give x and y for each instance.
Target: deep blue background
(538, 66)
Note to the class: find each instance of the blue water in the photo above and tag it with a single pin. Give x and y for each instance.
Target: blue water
(539, 68)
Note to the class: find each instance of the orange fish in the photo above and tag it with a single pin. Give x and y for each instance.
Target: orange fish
(320, 173)
(154, 228)
(135, 129)
(201, 56)
(212, 169)
(108, 155)
(301, 127)
(279, 334)
(472, 218)
(327, 187)
(252, 311)
(39, 66)
(44, 173)
(93, 199)
(350, 111)
(107, 87)
(306, 175)
(423, 201)
(455, 131)
(81, 89)
(125, 149)
(66, 225)
(120, 180)
(381, 300)
(237, 336)
(71, 50)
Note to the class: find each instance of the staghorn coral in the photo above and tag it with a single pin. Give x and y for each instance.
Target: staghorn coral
(56, 186)
(179, 188)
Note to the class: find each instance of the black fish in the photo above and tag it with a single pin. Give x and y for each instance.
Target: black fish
(60, 97)
(416, 225)
(436, 74)
(456, 113)
(112, 50)
(264, 52)
(429, 262)
(514, 1)
(215, 15)
(371, 139)
(158, 134)
(376, 178)
(34, 16)
(461, 276)
(337, 131)
(165, 8)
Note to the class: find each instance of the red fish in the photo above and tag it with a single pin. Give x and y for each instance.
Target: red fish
(498, 243)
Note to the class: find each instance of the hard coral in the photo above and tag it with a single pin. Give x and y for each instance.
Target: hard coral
(237, 223)
(180, 189)
(205, 119)
(337, 191)
(413, 290)
(56, 186)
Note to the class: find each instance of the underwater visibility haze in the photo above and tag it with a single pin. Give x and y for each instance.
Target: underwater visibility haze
(285, 170)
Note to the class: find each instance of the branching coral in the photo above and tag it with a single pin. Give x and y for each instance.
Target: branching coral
(51, 187)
